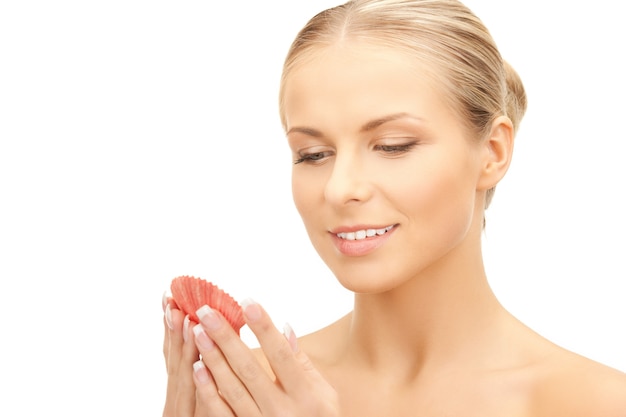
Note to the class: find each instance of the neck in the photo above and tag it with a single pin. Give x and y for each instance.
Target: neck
(442, 317)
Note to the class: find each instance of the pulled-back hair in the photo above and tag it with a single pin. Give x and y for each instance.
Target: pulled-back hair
(443, 34)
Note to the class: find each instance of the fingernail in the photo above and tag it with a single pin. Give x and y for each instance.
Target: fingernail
(251, 310)
(209, 318)
(164, 299)
(185, 327)
(201, 371)
(291, 337)
(168, 317)
(203, 341)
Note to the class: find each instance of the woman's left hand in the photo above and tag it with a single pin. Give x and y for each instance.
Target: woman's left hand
(230, 381)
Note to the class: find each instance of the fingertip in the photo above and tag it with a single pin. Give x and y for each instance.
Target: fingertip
(251, 310)
(186, 327)
(168, 317)
(201, 372)
(164, 299)
(291, 337)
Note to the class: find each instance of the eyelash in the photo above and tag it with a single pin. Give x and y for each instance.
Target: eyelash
(396, 149)
(388, 149)
(311, 157)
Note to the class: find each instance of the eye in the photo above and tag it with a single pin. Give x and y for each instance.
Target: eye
(395, 149)
(313, 157)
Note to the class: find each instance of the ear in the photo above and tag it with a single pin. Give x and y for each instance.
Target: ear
(497, 153)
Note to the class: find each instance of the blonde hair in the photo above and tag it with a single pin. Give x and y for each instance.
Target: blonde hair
(444, 34)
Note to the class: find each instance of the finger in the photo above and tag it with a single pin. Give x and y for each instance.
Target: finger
(168, 326)
(186, 389)
(279, 349)
(172, 322)
(166, 301)
(178, 357)
(235, 369)
(169, 352)
(208, 399)
(172, 349)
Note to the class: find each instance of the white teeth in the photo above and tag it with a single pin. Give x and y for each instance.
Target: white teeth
(362, 234)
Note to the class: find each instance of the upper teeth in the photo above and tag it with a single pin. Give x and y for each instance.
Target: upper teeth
(362, 234)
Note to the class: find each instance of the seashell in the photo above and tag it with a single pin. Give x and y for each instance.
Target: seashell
(190, 293)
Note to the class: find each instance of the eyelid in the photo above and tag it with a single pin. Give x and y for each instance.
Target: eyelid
(395, 141)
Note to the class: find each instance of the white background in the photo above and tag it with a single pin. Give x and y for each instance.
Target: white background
(140, 140)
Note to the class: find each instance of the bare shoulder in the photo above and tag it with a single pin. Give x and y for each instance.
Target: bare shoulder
(322, 346)
(325, 345)
(573, 385)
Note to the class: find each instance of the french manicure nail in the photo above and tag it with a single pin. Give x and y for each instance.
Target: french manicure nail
(208, 317)
(201, 371)
(168, 317)
(164, 299)
(291, 337)
(251, 309)
(185, 327)
(202, 339)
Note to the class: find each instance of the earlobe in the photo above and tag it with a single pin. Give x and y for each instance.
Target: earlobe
(498, 150)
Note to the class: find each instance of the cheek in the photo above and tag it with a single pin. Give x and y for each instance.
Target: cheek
(304, 194)
(441, 203)
(308, 198)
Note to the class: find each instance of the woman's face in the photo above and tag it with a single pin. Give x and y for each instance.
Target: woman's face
(385, 175)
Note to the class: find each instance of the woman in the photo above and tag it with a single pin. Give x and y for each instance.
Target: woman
(401, 117)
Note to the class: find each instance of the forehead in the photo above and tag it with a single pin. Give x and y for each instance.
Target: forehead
(356, 81)
(354, 60)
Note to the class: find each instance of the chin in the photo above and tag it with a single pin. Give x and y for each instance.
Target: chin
(367, 280)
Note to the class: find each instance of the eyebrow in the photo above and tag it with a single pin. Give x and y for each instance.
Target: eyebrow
(306, 130)
(370, 125)
(373, 124)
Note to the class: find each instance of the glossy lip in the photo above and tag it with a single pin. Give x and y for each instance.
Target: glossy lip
(360, 247)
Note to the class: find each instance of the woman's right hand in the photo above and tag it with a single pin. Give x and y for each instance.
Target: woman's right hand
(232, 380)
(298, 390)
(180, 353)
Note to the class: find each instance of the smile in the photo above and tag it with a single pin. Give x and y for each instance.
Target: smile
(363, 234)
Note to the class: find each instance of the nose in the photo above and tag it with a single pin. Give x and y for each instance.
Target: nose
(348, 183)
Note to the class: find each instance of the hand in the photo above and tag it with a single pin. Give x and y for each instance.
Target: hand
(180, 353)
(230, 381)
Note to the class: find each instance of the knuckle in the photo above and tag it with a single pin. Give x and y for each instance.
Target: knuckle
(249, 371)
(172, 371)
(282, 354)
(208, 397)
(235, 394)
(306, 363)
(262, 325)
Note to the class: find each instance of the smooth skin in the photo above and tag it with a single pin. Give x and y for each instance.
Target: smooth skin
(377, 144)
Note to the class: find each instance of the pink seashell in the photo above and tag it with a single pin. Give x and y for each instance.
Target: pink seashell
(191, 293)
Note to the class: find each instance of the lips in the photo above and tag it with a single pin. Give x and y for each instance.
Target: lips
(361, 241)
